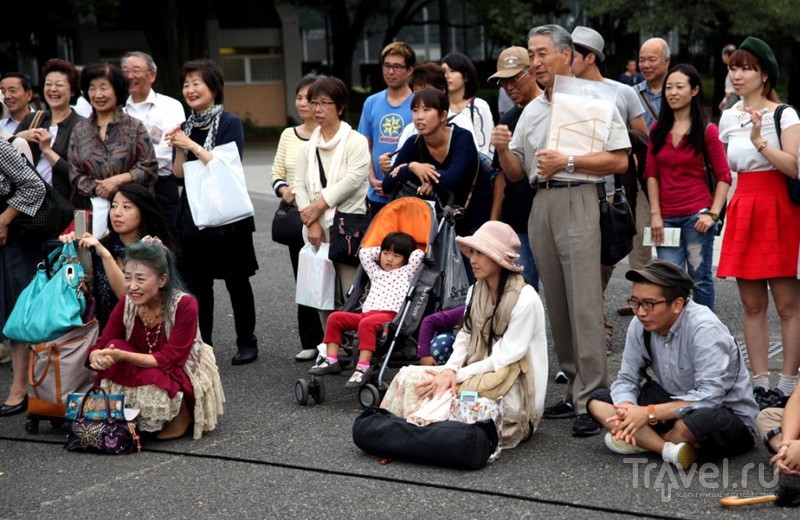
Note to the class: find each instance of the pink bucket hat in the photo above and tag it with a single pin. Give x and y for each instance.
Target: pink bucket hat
(495, 239)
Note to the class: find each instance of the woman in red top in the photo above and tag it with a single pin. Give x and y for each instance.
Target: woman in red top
(676, 179)
(151, 350)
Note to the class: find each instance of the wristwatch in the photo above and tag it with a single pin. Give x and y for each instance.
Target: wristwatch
(714, 216)
(570, 164)
(651, 414)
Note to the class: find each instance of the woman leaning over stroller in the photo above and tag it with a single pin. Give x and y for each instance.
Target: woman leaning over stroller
(151, 350)
(442, 154)
(501, 350)
(332, 170)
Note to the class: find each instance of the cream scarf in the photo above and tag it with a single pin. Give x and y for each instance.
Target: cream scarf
(334, 173)
(496, 384)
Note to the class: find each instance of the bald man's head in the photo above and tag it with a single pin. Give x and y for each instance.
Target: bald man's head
(654, 57)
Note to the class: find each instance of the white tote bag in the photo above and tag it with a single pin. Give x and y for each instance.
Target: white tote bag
(217, 191)
(316, 278)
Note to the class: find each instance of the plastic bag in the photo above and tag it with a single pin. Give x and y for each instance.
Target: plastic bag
(316, 278)
(217, 191)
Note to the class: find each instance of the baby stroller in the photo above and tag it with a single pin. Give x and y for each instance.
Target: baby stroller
(440, 283)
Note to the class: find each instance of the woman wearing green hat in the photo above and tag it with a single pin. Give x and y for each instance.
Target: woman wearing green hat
(762, 238)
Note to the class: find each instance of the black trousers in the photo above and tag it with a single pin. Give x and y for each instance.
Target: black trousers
(242, 302)
(168, 197)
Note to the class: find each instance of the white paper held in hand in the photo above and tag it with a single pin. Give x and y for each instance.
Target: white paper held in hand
(672, 238)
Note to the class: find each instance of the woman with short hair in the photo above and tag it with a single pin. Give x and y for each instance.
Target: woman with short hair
(227, 251)
(110, 148)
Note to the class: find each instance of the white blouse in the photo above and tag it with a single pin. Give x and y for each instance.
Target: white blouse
(742, 155)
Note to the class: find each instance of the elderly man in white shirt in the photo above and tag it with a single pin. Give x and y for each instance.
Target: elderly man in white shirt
(159, 114)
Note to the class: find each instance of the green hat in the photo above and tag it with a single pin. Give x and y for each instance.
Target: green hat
(766, 58)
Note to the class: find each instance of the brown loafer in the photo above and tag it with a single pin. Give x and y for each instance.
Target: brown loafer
(625, 311)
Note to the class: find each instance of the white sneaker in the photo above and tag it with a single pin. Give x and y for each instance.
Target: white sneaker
(620, 446)
(681, 455)
(306, 355)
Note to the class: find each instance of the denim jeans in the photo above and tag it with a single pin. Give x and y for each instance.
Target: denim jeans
(695, 254)
(526, 260)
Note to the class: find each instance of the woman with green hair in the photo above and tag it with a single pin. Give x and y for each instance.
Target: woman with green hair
(151, 350)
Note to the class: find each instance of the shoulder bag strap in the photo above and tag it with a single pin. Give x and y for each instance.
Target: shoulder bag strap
(37, 119)
(648, 105)
(711, 177)
(648, 361)
(322, 178)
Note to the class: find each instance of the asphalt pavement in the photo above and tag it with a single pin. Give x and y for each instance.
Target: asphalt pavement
(271, 458)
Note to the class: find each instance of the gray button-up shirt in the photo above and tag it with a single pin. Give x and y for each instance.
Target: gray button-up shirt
(698, 360)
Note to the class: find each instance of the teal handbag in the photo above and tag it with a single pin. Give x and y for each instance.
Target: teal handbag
(53, 303)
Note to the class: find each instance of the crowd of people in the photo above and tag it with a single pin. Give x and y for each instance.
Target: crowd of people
(532, 217)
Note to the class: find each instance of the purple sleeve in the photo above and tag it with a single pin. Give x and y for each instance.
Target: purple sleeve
(442, 320)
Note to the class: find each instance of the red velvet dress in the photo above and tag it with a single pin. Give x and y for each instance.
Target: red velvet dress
(171, 354)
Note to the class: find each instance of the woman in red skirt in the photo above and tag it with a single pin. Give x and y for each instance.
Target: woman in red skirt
(762, 236)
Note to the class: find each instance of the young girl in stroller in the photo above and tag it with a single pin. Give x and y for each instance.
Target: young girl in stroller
(390, 268)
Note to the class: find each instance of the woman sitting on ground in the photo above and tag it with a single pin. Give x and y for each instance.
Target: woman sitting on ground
(501, 350)
(151, 350)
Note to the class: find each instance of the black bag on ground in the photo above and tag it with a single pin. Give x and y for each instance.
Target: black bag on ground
(346, 233)
(617, 226)
(449, 444)
(287, 228)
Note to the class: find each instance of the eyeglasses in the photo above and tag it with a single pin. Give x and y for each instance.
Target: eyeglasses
(647, 305)
(324, 103)
(508, 81)
(394, 66)
(136, 71)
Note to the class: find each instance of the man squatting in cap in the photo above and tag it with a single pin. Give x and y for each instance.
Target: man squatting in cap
(705, 400)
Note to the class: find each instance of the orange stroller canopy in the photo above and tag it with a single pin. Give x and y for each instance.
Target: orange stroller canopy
(408, 215)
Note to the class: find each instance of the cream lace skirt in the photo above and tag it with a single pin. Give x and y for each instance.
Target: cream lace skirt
(156, 408)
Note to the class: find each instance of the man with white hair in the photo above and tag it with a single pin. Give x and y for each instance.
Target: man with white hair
(564, 226)
(159, 114)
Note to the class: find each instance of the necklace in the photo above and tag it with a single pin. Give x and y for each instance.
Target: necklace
(151, 337)
(150, 320)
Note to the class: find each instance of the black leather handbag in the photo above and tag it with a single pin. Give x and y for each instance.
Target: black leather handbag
(287, 228)
(616, 224)
(346, 233)
(450, 444)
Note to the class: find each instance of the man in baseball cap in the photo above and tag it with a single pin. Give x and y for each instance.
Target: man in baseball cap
(701, 398)
(515, 199)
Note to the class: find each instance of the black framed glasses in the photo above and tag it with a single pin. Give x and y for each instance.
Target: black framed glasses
(394, 66)
(647, 305)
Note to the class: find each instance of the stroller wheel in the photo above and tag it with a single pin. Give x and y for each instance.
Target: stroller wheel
(32, 425)
(317, 389)
(301, 392)
(369, 396)
(56, 424)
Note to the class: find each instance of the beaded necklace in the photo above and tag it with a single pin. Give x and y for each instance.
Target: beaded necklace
(152, 327)
(151, 337)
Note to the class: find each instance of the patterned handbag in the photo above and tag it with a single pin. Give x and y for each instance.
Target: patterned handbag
(108, 436)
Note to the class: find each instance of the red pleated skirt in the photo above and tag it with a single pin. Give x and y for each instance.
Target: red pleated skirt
(762, 229)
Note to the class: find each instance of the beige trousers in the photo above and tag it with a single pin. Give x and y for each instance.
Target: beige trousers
(564, 230)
